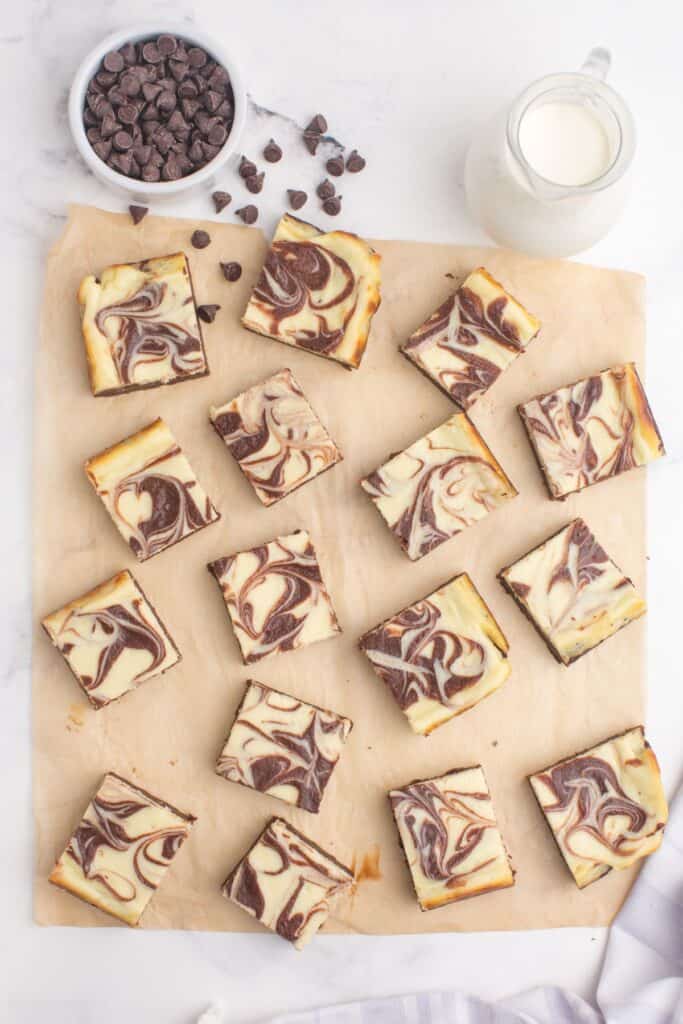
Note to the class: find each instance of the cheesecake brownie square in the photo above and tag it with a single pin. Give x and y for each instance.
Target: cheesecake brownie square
(140, 326)
(605, 807)
(112, 639)
(150, 490)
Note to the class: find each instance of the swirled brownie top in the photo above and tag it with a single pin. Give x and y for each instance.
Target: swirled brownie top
(450, 838)
(471, 338)
(592, 430)
(318, 291)
(140, 326)
(441, 484)
(121, 849)
(288, 883)
(276, 597)
(605, 806)
(572, 592)
(441, 655)
(112, 639)
(150, 490)
(282, 746)
(275, 436)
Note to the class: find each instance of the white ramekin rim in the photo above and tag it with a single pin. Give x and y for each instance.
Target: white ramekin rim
(133, 186)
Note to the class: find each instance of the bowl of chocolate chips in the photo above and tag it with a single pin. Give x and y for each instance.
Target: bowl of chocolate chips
(157, 110)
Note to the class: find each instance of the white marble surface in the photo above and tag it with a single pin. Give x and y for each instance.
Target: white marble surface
(406, 84)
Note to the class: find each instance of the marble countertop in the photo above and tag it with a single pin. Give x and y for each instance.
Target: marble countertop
(406, 86)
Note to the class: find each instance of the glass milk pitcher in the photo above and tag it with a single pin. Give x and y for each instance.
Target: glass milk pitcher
(550, 175)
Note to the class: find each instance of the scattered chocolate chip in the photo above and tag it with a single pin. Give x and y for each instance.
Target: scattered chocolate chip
(249, 214)
(317, 125)
(325, 189)
(138, 213)
(246, 168)
(355, 162)
(208, 313)
(200, 239)
(335, 166)
(166, 45)
(332, 206)
(296, 198)
(231, 271)
(254, 182)
(220, 200)
(311, 142)
(113, 61)
(272, 152)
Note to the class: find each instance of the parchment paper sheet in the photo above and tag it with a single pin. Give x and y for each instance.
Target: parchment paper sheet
(166, 735)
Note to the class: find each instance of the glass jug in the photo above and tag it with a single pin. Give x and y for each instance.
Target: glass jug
(550, 175)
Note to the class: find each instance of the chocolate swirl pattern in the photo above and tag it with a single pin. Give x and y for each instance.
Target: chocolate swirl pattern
(140, 326)
(471, 338)
(317, 291)
(440, 656)
(288, 883)
(150, 491)
(276, 597)
(283, 746)
(121, 850)
(572, 592)
(605, 807)
(450, 838)
(594, 429)
(437, 487)
(111, 639)
(275, 436)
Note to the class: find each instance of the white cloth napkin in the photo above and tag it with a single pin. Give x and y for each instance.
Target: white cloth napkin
(641, 980)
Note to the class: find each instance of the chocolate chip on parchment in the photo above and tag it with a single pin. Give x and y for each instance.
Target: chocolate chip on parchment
(231, 271)
(221, 200)
(297, 198)
(272, 152)
(138, 213)
(311, 142)
(355, 162)
(317, 125)
(208, 312)
(246, 168)
(332, 206)
(200, 239)
(249, 214)
(254, 182)
(335, 166)
(325, 189)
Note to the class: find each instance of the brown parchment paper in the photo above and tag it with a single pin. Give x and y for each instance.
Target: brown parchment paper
(166, 735)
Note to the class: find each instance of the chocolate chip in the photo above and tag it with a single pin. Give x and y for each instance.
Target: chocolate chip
(207, 313)
(221, 200)
(122, 141)
(138, 213)
(113, 61)
(121, 162)
(325, 189)
(150, 172)
(272, 152)
(142, 153)
(150, 90)
(196, 152)
(166, 45)
(189, 108)
(254, 182)
(355, 162)
(249, 214)
(187, 88)
(177, 123)
(196, 57)
(150, 53)
(217, 135)
(128, 114)
(296, 198)
(103, 149)
(93, 136)
(107, 78)
(231, 271)
(311, 142)
(172, 170)
(210, 151)
(246, 168)
(166, 101)
(332, 206)
(179, 69)
(130, 84)
(212, 100)
(335, 166)
(317, 125)
(200, 239)
(129, 52)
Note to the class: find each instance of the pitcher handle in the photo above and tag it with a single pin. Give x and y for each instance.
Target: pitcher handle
(597, 63)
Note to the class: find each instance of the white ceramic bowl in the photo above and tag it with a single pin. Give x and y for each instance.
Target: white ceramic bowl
(133, 187)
